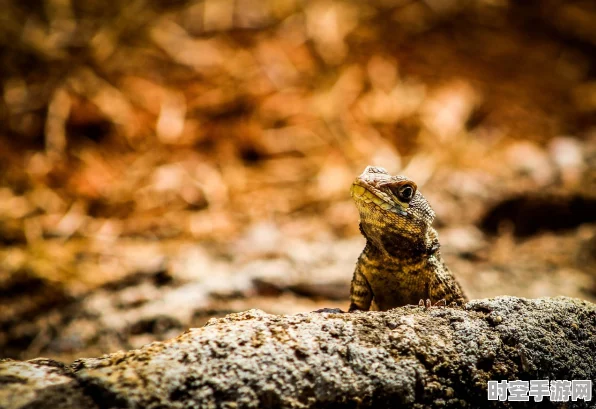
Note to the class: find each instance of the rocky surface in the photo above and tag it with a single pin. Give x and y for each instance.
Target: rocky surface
(440, 357)
(40, 383)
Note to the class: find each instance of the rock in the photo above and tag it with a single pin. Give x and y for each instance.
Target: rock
(40, 383)
(409, 356)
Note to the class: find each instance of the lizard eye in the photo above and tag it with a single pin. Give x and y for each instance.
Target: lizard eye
(402, 190)
(405, 192)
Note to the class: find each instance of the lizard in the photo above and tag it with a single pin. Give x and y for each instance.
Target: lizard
(401, 262)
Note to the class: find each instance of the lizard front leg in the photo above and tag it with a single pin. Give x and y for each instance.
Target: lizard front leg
(361, 294)
(444, 287)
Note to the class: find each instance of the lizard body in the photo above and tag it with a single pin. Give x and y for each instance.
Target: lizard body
(401, 263)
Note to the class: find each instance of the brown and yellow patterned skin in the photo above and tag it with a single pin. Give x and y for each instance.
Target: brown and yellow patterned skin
(400, 263)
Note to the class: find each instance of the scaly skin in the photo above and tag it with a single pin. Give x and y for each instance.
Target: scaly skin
(400, 263)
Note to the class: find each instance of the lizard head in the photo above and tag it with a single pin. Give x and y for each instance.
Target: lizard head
(390, 206)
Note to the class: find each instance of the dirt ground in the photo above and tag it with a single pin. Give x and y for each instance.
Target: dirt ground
(162, 164)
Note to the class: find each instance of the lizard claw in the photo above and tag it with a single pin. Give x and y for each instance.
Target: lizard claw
(423, 303)
(428, 304)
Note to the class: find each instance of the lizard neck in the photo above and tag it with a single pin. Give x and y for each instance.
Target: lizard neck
(400, 245)
(398, 261)
(395, 250)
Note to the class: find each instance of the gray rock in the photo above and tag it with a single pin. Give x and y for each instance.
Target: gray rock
(410, 356)
(40, 383)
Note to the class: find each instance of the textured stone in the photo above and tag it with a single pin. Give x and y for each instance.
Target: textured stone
(40, 383)
(416, 357)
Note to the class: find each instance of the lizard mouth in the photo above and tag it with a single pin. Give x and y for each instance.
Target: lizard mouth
(364, 194)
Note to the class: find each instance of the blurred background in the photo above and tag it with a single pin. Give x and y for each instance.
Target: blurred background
(162, 163)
